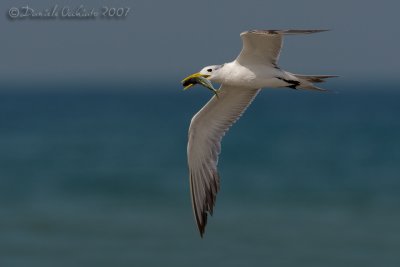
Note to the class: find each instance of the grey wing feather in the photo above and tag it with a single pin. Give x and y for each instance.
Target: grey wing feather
(206, 130)
(264, 46)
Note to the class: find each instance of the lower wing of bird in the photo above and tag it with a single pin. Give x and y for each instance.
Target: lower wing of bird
(206, 130)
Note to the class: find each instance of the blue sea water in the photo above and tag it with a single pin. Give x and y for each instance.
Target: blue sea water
(99, 178)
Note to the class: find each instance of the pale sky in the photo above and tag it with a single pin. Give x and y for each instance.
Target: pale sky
(166, 40)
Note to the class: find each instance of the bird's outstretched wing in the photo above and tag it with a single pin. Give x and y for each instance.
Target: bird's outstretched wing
(206, 130)
(262, 47)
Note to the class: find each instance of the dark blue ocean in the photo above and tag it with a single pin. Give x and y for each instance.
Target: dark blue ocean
(98, 177)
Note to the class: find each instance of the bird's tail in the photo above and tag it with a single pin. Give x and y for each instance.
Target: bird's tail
(307, 81)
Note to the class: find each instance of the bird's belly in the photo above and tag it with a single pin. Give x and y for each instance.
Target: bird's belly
(254, 77)
(242, 77)
(272, 82)
(255, 82)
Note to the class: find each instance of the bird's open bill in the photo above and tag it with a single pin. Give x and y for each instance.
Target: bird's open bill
(198, 78)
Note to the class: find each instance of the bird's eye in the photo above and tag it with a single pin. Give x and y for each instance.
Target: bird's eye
(209, 70)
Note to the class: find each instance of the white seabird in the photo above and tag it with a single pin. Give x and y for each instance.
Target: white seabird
(241, 80)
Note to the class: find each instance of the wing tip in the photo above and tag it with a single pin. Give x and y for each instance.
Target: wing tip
(207, 207)
(200, 216)
(200, 225)
(295, 31)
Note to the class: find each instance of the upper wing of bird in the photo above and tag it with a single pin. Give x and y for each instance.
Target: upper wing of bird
(206, 130)
(262, 47)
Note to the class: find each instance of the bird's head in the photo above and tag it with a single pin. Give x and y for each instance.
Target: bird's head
(203, 77)
(210, 72)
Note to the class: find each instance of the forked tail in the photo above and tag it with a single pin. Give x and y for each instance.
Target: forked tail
(307, 81)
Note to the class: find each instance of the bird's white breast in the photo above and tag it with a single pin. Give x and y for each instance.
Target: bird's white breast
(254, 76)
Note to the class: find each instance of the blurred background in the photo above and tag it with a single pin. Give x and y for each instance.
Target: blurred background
(93, 132)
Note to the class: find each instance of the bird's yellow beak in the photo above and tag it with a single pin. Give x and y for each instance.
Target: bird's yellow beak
(198, 78)
(193, 79)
